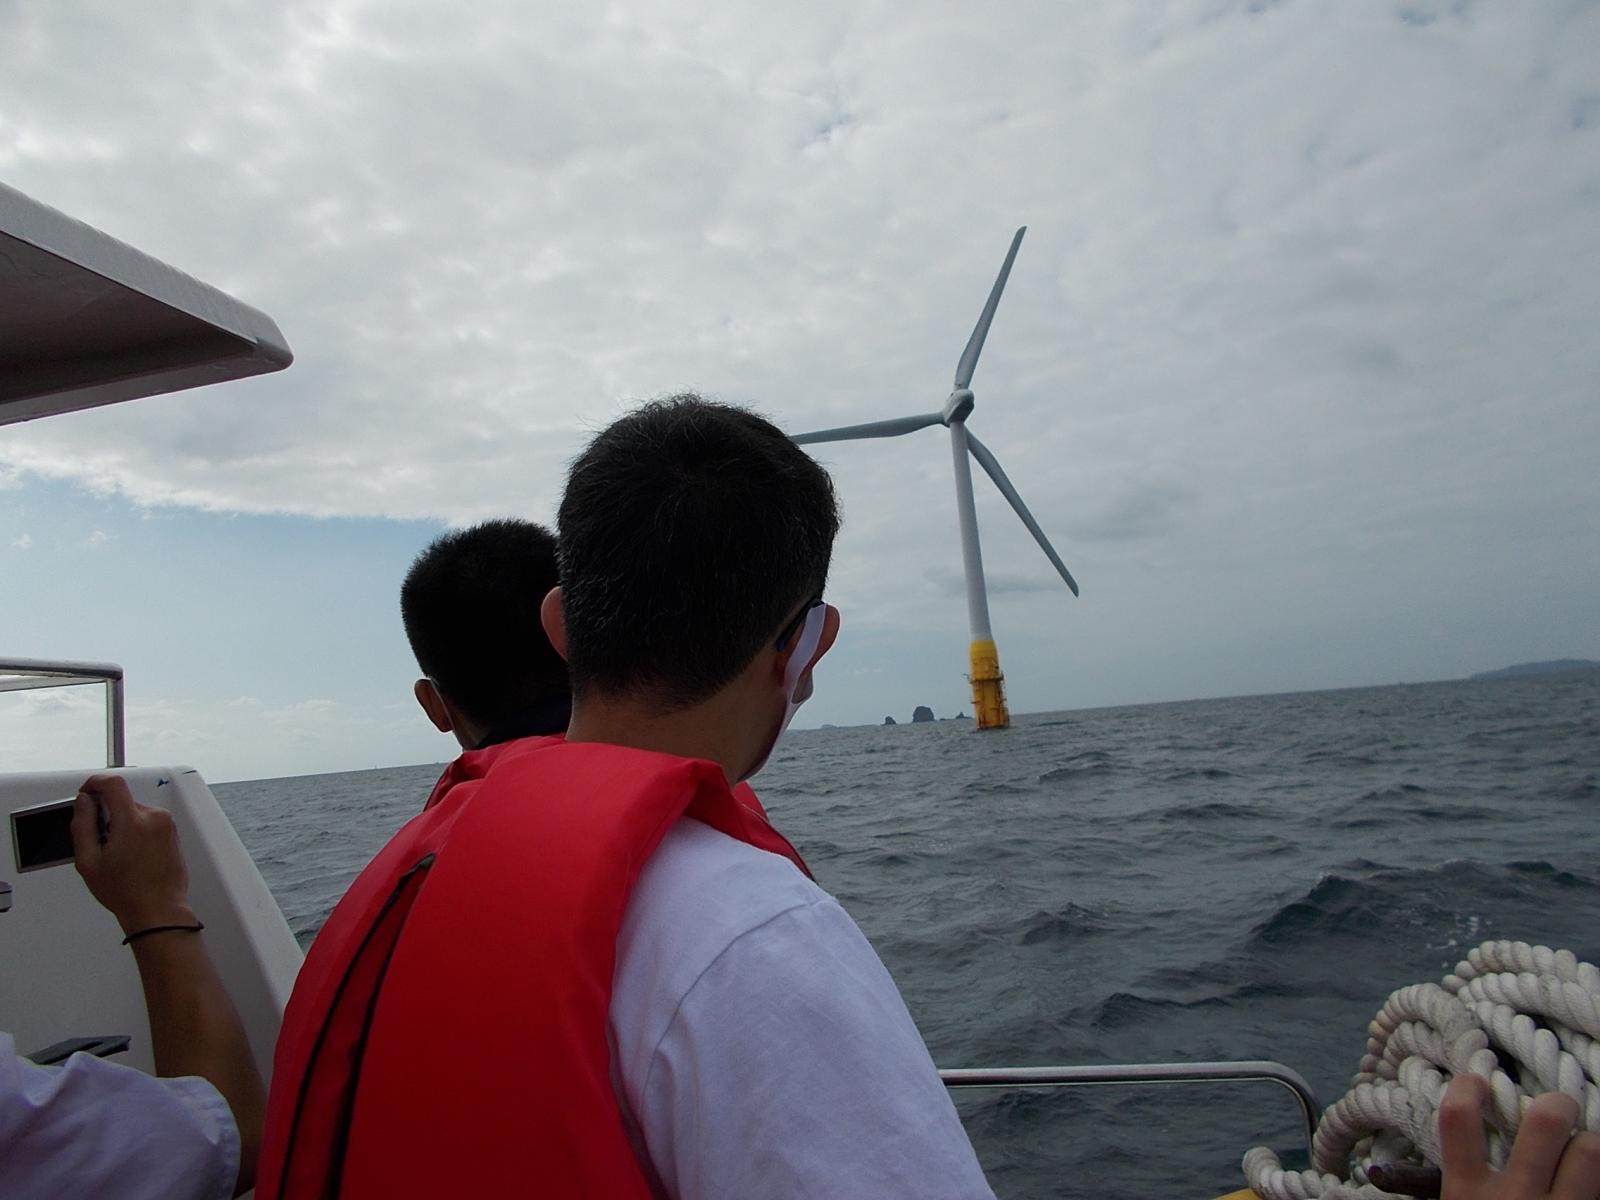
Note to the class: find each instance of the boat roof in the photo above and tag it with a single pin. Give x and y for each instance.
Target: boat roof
(86, 320)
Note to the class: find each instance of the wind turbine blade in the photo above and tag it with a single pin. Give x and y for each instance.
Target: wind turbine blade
(969, 356)
(988, 462)
(873, 429)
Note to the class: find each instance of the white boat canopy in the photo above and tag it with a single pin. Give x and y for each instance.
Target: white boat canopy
(86, 320)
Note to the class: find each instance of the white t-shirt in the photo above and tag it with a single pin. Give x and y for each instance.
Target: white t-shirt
(97, 1130)
(761, 1050)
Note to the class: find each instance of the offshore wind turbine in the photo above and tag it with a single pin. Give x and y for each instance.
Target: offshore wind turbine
(988, 690)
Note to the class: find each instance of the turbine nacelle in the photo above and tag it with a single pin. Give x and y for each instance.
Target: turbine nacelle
(959, 406)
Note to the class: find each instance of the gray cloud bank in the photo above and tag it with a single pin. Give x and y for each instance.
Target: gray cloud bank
(1307, 299)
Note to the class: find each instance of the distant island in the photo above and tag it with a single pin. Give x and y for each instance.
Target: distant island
(924, 714)
(1555, 666)
(921, 715)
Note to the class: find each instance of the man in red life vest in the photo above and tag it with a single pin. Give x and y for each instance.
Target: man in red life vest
(589, 968)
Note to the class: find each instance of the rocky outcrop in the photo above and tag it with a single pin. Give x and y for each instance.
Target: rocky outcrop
(921, 713)
(890, 721)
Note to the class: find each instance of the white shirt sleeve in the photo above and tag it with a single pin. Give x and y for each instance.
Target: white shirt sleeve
(792, 1069)
(98, 1130)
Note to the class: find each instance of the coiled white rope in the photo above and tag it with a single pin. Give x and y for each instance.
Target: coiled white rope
(1526, 1018)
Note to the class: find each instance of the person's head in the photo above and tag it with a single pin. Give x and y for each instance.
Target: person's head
(692, 538)
(470, 604)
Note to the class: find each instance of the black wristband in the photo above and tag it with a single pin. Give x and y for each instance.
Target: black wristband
(195, 928)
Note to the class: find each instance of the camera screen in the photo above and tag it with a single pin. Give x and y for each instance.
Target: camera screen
(43, 835)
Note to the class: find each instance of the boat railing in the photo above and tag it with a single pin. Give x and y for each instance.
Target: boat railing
(1135, 1074)
(30, 674)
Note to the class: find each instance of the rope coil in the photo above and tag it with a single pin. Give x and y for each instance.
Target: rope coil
(1525, 1018)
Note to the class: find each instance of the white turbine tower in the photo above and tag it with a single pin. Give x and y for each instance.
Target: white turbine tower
(988, 692)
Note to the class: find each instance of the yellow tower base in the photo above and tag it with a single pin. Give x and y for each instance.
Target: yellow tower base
(988, 687)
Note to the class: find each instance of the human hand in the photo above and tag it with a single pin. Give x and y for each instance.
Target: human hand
(1547, 1162)
(137, 872)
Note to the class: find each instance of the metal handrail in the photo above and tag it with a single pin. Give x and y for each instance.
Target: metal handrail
(1253, 1071)
(31, 674)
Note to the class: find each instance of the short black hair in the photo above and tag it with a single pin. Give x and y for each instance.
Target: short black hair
(689, 533)
(470, 604)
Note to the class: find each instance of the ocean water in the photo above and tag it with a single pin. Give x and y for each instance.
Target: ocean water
(1223, 879)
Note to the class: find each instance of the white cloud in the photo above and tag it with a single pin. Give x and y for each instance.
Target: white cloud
(65, 727)
(42, 730)
(23, 542)
(1246, 226)
(58, 701)
(96, 538)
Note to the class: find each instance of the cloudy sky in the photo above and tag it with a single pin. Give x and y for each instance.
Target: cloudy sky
(1297, 366)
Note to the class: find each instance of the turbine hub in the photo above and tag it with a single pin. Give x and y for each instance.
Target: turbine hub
(959, 406)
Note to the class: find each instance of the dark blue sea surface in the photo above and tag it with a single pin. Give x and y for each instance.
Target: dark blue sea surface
(1221, 879)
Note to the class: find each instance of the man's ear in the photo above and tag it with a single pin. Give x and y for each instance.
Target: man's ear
(554, 620)
(830, 634)
(433, 704)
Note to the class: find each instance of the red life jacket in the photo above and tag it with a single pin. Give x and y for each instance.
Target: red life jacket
(447, 1033)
